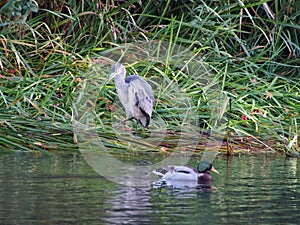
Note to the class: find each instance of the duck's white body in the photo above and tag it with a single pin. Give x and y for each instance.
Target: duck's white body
(182, 173)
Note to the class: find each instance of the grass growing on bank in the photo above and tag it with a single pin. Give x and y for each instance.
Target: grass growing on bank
(252, 50)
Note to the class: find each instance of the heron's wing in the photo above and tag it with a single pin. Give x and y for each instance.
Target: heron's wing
(140, 83)
(141, 95)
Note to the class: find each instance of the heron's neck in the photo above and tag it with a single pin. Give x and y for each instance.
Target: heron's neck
(120, 84)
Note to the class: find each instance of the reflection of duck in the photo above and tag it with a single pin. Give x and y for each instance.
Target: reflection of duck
(185, 173)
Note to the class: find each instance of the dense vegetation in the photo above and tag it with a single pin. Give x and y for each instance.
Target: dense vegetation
(252, 48)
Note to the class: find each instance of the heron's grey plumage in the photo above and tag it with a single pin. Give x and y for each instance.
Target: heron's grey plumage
(135, 94)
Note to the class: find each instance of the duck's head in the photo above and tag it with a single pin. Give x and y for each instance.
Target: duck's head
(205, 166)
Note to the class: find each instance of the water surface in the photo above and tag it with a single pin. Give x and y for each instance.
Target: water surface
(63, 189)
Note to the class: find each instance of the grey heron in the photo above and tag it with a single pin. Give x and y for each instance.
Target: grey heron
(135, 94)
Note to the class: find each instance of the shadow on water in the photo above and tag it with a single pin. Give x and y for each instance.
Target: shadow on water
(63, 189)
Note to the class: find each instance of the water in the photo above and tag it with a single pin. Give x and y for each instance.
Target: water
(63, 189)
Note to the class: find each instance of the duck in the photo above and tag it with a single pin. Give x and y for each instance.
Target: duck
(186, 173)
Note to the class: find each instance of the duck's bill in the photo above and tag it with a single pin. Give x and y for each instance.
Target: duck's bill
(214, 170)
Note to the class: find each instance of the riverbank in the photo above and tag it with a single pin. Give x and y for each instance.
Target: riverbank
(252, 52)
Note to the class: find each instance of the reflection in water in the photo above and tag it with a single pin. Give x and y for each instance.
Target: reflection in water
(63, 189)
(129, 205)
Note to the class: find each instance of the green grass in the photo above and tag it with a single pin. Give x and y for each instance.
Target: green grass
(252, 50)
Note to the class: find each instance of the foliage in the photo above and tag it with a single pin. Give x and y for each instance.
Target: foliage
(253, 47)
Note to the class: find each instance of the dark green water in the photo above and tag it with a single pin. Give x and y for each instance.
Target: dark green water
(63, 189)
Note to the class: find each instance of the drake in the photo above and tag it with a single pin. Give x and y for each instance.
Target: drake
(185, 173)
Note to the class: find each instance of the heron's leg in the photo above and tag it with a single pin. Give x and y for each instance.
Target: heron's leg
(136, 128)
(122, 122)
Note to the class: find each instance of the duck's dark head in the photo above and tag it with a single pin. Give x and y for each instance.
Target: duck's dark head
(205, 166)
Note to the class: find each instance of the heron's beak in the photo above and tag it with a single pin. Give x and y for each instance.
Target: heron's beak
(112, 75)
(214, 170)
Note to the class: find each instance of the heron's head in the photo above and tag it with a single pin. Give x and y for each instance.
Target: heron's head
(205, 166)
(117, 70)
